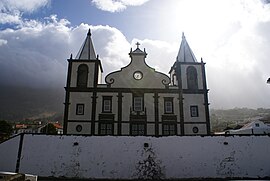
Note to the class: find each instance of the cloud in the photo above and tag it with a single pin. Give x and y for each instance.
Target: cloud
(23, 5)
(12, 10)
(34, 55)
(30, 57)
(3, 42)
(237, 64)
(116, 5)
(161, 54)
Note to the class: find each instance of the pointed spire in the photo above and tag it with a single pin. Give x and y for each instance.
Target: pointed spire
(185, 53)
(87, 51)
(183, 35)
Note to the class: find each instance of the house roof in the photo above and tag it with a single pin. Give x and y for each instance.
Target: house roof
(185, 53)
(57, 125)
(87, 51)
(21, 126)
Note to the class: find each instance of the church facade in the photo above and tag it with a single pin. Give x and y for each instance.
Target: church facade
(137, 100)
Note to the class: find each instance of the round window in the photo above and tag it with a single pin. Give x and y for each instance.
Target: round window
(195, 129)
(79, 128)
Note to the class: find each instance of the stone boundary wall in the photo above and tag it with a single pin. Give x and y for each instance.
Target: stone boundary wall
(111, 157)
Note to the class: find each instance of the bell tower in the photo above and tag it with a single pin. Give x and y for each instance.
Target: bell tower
(189, 76)
(84, 73)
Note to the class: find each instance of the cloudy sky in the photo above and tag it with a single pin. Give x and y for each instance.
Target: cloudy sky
(232, 36)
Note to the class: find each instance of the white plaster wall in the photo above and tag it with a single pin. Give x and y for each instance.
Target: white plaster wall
(91, 68)
(149, 104)
(80, 98)
(8, 154)
(184, 75)
(127, 103)
(99, 75)
(125, 128)
(119, 157)
(150, 129)
(160, 129)
(178, 129)
(115, 128)
(194, 100)
(96, 128)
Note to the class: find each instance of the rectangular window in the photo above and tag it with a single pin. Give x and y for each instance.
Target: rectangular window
(106, 128)
(138, 103)
(137, 129)
(168, 105)
(80, 109)
(107, 104)
(169, 129)
(194, 111)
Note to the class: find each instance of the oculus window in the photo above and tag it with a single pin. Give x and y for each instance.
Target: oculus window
(195, 129)
(79, 128)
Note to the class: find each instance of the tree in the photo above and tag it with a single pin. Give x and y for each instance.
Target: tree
(150, 168)
(49, 129)
(5, 130)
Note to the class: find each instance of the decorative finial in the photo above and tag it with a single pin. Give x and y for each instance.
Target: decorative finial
(70, 56)
(130, 50)
(89, 32)
(201, 59)
(138, 44)
(97, 56)
(144, 50)
(183, 35)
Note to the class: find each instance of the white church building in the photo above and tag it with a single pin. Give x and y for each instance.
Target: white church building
(136, 100)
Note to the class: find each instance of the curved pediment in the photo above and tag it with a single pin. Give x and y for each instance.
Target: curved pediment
(137, 74)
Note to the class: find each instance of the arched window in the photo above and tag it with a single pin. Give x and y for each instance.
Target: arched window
(192, 80)
(82, 75)
(174, 79)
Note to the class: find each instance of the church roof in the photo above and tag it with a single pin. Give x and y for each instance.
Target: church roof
(185, 53)
(87, 51)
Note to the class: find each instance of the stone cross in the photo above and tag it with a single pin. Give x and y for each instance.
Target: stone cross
(138, 44)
